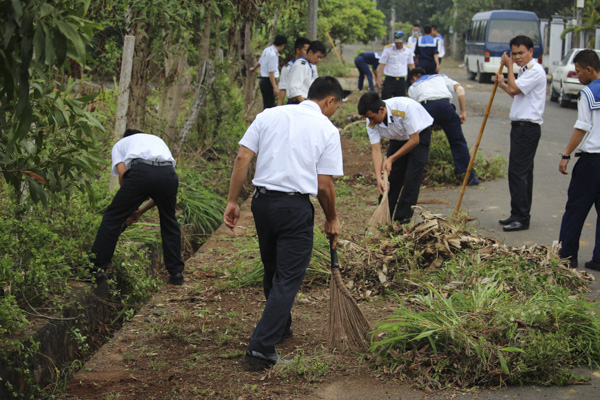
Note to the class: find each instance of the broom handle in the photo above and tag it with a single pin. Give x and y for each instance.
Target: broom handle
(334, 257)
(476, 147)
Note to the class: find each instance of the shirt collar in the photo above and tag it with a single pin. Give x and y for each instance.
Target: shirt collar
(311, 104)
(275, 49)
(527, 66)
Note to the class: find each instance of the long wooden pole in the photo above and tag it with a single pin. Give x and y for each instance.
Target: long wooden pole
(470, 167)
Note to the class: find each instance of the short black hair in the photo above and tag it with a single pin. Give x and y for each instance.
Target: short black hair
(418, 72)
(370, 101)
(279, 40)
(434, 27)
(521, 40)
(417, 25)
(325, 86)
(316, 46)
(427, 29)
(130, 132)
(301, 42)
(587, 58)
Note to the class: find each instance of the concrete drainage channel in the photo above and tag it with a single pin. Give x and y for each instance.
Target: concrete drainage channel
(57, 347)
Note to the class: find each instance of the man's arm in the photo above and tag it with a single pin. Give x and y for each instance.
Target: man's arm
(135, 216)
(462, 102)
(413, 141)
(281, 97)
(326, 197)
(436, 58)
(238, 177)
(380, 75)
(274, 83)
(576, 138)
(511, 87)
(121, 169)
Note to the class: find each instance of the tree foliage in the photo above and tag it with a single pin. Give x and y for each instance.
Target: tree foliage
(46, 138)
(351, 21)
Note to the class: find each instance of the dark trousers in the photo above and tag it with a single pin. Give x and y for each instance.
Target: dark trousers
(584, 191)
(406, 176)
(523, 145)
(284, 225)
(393, 87)
(293, 101)
(364, 70)
(266, 89)
(428, 66)
(141, 182)
(444, 115)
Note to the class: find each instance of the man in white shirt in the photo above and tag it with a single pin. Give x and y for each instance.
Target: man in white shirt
(434, 92)
(145, 168)
(396, 60)
(269, 71)
(415, 33)
(440, 40)
(408, 126)
(298, 153)
(529, 100)
(304, 72)
(300, 47)
(584, 189)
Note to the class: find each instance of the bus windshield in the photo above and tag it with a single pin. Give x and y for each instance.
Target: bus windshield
(502, 31)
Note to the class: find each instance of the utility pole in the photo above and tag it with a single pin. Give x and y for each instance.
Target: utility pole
(312, 14)
(392, 24)
(580, 4)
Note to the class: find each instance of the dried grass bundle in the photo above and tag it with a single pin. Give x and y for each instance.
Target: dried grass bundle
(348, 327)
(381, 216)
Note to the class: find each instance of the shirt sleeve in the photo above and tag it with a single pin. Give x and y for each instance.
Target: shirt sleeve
(411, 57)
(528, 80)
(331, 162)
(374, 136)
(584, 115)
(251, 138)
(117, 156)
(384, 57)
(450, 83)
(283, 77)
(272, 62)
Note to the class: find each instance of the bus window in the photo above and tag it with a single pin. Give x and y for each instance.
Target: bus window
(502, 31)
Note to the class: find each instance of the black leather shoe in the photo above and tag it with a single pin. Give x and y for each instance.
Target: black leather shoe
(265, 360)
(287, 335)
(176, 279)
(592, 265)
(515, 226)
(506, 221)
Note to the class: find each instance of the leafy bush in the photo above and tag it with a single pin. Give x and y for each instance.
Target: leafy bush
(440, 165)
(333, 68)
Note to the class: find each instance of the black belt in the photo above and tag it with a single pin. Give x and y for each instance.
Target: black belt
(523, 123)
(264, 190)
(398, 78)
(584, 154)
(154, 163)
(434, 101)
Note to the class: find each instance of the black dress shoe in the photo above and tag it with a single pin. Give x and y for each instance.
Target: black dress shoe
(265, 360)
(515, 226)
(506, 221)
(176, 279)
(592, 265)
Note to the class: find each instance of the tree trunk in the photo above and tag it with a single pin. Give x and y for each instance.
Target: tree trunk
(136, 114)
(170, 73)
(203, 83)
(249, 62)
(272, 30)
(175, 94)
(204, 44)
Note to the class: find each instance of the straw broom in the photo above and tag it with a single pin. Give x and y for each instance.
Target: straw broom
(381, 215)
(348, 327)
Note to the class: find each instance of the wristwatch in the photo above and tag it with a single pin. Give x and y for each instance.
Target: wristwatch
(565, 157)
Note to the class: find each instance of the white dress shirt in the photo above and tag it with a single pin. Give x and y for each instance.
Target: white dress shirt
(269, 62)
(285, 74)
(140, 145)
(441, 47)
(302, 75)
(530, 103)
(396, 61)
(294, 144)
(404, 118)
(432, 87)
(588, 121)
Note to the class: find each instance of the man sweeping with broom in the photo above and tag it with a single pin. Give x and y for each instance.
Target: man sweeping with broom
(298, 153)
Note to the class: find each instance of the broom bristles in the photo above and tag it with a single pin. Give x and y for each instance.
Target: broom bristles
(348, 327)
(381, 216)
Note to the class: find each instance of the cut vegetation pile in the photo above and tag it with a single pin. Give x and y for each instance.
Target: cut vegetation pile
(473, 311)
